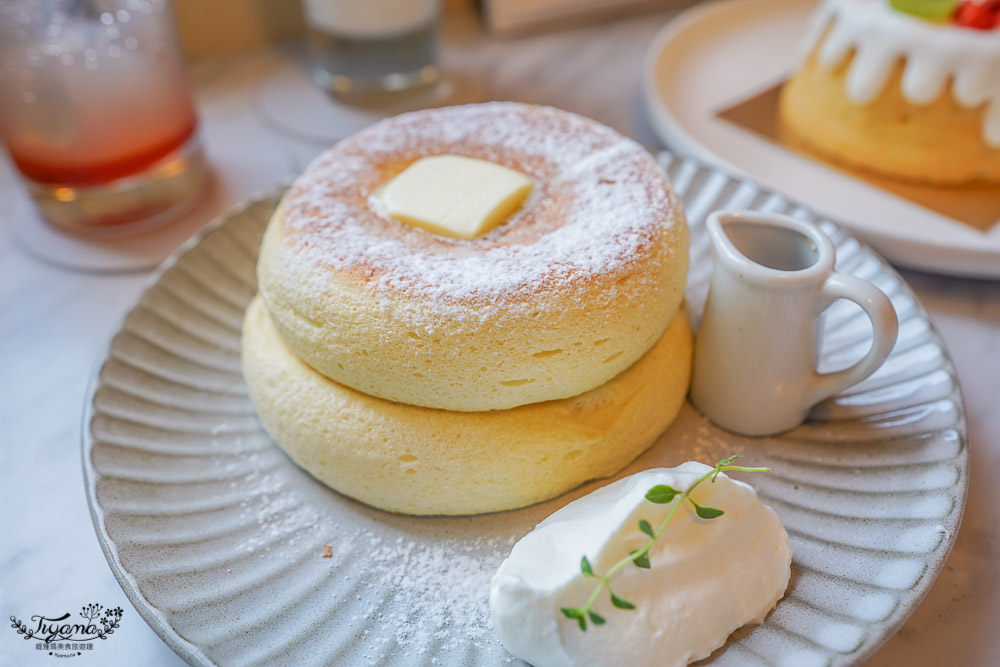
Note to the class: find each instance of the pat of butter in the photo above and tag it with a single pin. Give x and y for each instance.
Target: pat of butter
(455, 196)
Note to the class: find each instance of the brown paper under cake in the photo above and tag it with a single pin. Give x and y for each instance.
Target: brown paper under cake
(977, 206)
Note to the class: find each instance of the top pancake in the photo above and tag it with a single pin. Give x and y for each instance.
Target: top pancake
(563, 296)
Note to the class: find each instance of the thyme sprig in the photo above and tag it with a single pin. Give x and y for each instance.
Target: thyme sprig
(661, 494)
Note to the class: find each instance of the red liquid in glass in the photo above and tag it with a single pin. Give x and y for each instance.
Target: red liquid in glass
(73, 124)
(64, 170)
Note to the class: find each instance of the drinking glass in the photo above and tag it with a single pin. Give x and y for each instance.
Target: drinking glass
(96, 112)
(372, 47)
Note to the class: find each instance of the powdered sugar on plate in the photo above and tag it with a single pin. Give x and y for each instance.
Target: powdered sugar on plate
(440, 591)
(399, 584)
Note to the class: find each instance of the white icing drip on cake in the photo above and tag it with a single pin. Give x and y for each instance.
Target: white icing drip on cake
(933, 56)
(600, 202)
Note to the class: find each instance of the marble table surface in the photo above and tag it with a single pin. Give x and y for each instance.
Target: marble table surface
(261, 123)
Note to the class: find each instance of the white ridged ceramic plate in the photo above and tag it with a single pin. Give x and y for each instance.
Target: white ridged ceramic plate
(718, 54)
(221, 542)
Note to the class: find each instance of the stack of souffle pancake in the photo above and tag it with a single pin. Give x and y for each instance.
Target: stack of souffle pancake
(432, 375)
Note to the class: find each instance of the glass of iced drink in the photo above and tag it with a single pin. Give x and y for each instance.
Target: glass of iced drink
(96, 111)
(363, 48)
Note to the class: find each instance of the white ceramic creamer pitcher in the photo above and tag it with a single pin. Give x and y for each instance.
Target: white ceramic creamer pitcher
(757, 348)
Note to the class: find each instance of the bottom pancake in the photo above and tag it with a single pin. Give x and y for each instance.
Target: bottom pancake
(415, 460)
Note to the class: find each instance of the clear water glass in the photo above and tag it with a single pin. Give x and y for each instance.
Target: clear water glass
(372, 47)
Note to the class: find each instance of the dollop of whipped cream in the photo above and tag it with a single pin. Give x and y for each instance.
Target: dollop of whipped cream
(708, 577)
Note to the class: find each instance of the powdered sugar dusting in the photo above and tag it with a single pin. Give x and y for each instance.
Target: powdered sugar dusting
(600, 204)
(418, 587)
(440, 592)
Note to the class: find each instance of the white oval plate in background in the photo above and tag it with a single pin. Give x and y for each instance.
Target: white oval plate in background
(718, 54)
(235, 556)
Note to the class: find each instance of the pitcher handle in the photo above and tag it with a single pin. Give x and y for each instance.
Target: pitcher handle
(885, 325)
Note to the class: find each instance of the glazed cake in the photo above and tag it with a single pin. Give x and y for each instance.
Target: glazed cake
(909, 90)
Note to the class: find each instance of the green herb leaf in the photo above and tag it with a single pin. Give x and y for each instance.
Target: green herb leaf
(596, 618)
(661, 494)
(725, 462)
(707, 512)
(585, 567)
(621, 603)
(646, 528)
(577, 614)
(641, 561)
